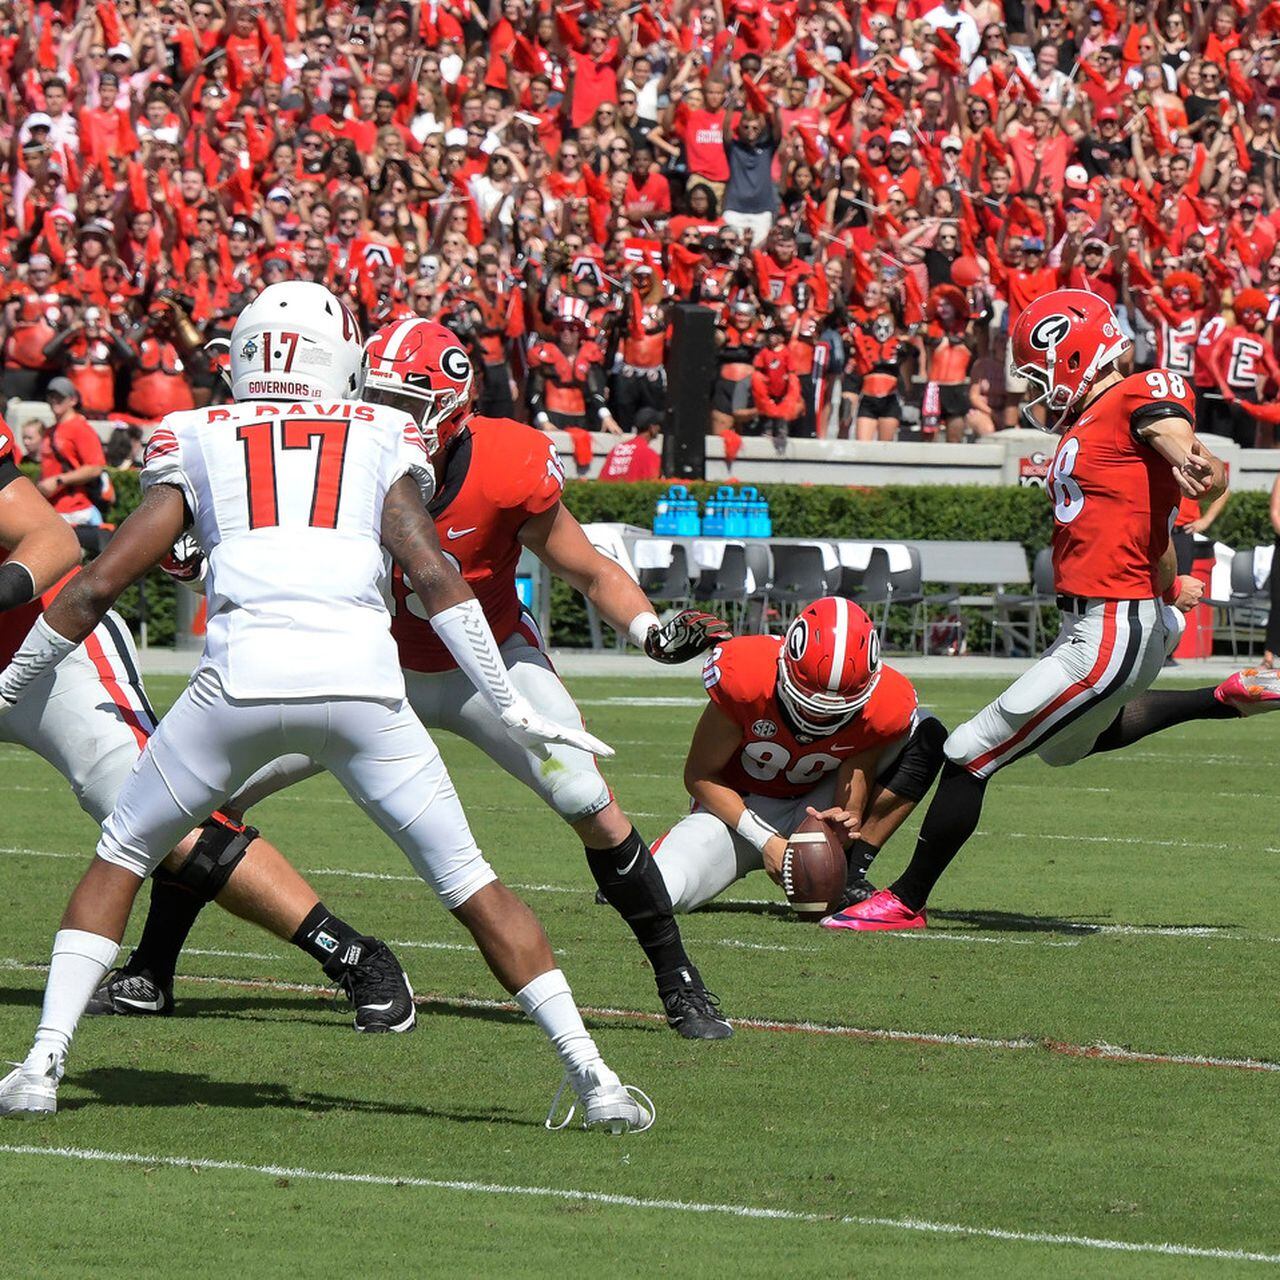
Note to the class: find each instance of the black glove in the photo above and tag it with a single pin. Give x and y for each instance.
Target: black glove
(688, 634)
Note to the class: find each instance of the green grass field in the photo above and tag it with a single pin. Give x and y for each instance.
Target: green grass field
(1069, 1073)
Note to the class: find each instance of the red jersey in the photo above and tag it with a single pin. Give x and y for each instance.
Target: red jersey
(1114, 497)
(1176, 342)
(15, 623)
(1213, 329)
(67, 446)
(1239, 353)
(741, 676)
(497, 474)
(159, 386)
(702, 133)
(631, 460)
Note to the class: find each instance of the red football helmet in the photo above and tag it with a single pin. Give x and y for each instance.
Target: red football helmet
(829, 665)
(418, 366)
(1062, 342)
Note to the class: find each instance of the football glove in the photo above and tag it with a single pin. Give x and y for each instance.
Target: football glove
(186, 562)
(688, 634)
(532, 730)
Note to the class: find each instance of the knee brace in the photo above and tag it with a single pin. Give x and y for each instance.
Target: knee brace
(217, 851)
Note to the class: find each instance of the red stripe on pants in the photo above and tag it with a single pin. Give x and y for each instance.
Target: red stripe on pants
(1072, 691)
(102, 664)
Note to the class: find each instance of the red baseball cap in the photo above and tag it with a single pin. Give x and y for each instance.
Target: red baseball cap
(1108, 113)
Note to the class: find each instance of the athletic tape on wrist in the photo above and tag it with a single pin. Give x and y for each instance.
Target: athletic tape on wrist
(640, 627)
(754, 830)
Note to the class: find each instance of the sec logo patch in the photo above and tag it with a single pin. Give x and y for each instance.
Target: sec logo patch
(764, 729)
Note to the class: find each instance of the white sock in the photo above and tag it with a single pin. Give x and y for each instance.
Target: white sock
(549, 1002)
(80, 960)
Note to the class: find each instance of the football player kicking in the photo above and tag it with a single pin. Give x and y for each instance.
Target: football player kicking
(89, 718)
(1128, 451)
(811, 722)
(498, 488)
(296, 493)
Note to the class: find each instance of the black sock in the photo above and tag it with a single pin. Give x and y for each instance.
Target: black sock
(633, 886)
(1160, 709)
(173, 911)
(861, 854)
(951, 819)
(329, 940)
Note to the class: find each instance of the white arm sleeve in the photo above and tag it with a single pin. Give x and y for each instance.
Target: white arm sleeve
(43, 648)
(465, 632)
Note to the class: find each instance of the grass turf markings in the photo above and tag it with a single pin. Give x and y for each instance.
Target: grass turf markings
(937, 1039)
(918, 1225)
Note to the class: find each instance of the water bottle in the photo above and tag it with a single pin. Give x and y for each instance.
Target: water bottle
(759, 522)
(713, 518)
(664, 514)
(687, 522)
(735, 518)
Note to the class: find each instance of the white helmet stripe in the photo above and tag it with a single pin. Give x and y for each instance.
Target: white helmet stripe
(841, 643)
(396, 341)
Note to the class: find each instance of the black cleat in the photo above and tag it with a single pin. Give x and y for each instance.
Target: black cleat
(376, 985)
(855, 891)
(692, 1011)
(134, 994)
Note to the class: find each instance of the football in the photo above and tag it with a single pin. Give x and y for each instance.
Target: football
(813, 869)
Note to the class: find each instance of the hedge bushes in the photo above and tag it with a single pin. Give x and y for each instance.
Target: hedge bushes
(948, 512)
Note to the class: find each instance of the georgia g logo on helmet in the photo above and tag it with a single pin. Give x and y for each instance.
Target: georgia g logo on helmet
(454, 363)
(797, 639)
(1049, 332)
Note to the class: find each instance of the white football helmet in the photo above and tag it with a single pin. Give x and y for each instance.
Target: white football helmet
(296, 341)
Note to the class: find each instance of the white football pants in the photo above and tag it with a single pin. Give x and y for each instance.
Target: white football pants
(1101, 659)
(566, 778)
(88, 717)
(209, 743)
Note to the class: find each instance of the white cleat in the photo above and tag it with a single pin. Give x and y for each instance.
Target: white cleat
(28, 1091)
(606, 1103)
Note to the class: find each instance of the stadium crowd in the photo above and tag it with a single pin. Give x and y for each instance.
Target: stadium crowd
(866, 194)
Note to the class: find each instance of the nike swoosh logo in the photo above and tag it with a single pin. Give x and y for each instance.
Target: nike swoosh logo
(378, 1008)
(626, 870)
(452, 533)
(151, 1006)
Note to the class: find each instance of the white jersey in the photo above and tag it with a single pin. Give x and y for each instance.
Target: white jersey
(286, 503)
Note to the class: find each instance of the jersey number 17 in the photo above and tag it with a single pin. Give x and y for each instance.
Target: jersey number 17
(260, 441)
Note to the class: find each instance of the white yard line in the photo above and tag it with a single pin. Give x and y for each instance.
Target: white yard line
(940, 1039)
(921, 1226)
(1189, 932)
(1139, 840)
